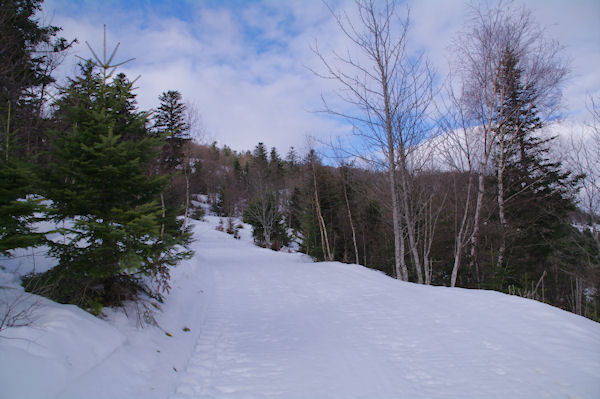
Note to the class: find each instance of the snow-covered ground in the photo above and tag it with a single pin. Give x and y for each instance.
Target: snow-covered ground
(247, 322)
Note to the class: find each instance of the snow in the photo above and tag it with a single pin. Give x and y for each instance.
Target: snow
(63, 343)
(265, 324)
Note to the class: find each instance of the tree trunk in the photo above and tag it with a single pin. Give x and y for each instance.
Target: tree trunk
(162, 223)
(267, 236)
(501, 210)
(187, 197)
(400, 269)
(474, 261)
(488, 143)
(322, 227)
(7, 131)
(460, 238)
(350, 217)
(429, 224)
(410, 227)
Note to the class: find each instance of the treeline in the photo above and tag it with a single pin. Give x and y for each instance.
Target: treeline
(343, 213)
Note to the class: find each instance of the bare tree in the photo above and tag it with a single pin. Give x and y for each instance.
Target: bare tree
(584, 159)
(455, 150)
(479, 53)
(197, 133)
(344, 170)
(389, 91)
(327, 253)
(263, 212)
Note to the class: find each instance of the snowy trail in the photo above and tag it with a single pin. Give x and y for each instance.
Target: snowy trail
(278, 326)
(246, 322)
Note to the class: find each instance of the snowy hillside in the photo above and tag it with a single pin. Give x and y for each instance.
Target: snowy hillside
(246, 322)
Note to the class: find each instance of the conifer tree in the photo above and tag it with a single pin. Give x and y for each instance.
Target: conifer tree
(25, 74)
(276, 170)
(29, 53)
(258, 171)
(17, 211)
(537, 194)
(170, 125)
(260, 161)
(291, 158)
(118, 241)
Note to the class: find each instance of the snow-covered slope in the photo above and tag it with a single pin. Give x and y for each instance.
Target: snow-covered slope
(265, 324)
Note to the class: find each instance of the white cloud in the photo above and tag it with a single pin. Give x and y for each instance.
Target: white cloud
(574, 24)
(244, 65)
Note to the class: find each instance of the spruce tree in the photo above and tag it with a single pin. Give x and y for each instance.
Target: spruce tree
(260, 161)
(539, 193)
(170, 125)
(118, 241)
(258, 172)
(17, 210)
(276, 170)
(29, 53)
(25, 73)
(291, 158)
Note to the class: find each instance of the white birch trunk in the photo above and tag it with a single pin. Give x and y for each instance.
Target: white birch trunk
(501, 212)
(357, 260)
(322, 227)
(460, 237)
(187, 198)
(410, 228)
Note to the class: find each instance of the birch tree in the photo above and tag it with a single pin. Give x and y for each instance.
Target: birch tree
(327, 254)
(584, 159)
(344, 171)
(389, 92)
(479, 53)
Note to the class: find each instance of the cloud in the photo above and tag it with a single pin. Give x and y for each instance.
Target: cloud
(243, 63)
(243, 68)
(573, 24)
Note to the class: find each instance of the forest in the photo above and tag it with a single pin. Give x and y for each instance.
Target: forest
(459, 186)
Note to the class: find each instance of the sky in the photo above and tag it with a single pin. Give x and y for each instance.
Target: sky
(245, 66)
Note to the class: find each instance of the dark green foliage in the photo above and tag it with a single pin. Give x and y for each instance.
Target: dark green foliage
(222, 205)
(29, 53)
(25, 74)
(169, 119)
(294, 210)
(264, 180)
(259, 156)
(329, 201)
(292, 158)
(197, 213)
(275, 168)
(119, 240)
(21, 34)
(538, 193)
(170, 125)
(16, 208)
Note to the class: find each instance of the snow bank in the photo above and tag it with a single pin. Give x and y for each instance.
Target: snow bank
(53, 343)
(62, 343)
(148, 365)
